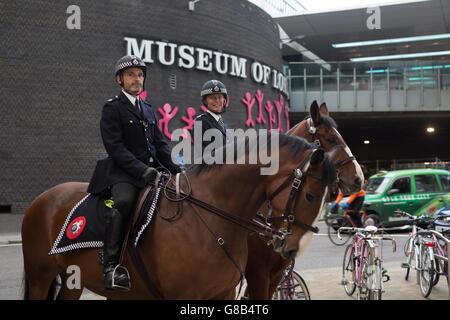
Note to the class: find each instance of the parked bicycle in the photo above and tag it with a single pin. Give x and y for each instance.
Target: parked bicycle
(291, 287)
(362, 264)
(425, 251)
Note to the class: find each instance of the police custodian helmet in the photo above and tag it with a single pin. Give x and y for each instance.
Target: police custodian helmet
(130, 61)
(213, 87)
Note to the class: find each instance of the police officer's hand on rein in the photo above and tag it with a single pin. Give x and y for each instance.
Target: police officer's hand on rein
(149, 175)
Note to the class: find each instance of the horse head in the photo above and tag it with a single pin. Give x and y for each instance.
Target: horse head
(296, 196)
(321, 129)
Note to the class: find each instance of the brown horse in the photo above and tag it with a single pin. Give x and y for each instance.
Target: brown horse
(197, 256)
(265, 267)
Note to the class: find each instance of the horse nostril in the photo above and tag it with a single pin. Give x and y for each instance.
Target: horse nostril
(358, 181)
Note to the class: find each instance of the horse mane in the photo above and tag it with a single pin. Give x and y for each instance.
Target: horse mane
(296, 144)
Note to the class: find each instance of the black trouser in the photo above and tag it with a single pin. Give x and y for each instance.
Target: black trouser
(124, 196)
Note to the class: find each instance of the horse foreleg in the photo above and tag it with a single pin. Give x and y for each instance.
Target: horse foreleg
(258, 290)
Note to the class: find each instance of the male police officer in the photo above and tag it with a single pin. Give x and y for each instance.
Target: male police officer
(135, 146)
(214, 96)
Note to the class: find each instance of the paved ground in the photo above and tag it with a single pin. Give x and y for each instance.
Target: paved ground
(324, 284)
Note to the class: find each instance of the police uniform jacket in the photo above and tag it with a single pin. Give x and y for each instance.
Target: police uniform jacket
(133, 142)
(208, 122)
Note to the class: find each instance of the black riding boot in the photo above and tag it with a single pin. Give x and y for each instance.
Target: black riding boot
(115, 278)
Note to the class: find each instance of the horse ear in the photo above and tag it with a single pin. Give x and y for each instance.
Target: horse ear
(314, 113)
(317, 157)
(324, 110)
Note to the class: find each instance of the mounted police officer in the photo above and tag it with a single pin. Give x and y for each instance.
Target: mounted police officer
(214, 96)
(135, 147)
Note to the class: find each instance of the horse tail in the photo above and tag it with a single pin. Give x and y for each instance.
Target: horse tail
(25, 290)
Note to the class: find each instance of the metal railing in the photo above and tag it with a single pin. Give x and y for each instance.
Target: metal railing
(380, 86)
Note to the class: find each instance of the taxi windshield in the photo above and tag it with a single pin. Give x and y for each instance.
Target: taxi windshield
(376, 185)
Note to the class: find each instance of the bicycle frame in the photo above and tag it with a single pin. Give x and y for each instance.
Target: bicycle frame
(425, 253)
(366, 250)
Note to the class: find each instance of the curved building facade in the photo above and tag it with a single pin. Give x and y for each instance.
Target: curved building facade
(57, 63)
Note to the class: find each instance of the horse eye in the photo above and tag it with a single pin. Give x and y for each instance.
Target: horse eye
(309, 197)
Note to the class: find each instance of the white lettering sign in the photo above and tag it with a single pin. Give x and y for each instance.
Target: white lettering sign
(189, 57)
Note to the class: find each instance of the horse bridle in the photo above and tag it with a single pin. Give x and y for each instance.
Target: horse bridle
(299, 173)
(312, 131)
(266, 230)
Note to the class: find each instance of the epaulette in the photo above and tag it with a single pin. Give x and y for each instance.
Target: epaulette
(113, 99)
(199, 116)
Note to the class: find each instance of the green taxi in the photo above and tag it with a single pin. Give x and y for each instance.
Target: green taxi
(417, 191)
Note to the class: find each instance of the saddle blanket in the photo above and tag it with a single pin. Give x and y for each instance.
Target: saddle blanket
(84, 226)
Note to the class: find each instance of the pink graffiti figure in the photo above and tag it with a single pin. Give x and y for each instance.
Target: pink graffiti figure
(167, 114)
(272, 117)
(249, 103)
(203, 108)
(190, 119)
(286, 116)
(259, 97)
(143, 95)
(279, 105)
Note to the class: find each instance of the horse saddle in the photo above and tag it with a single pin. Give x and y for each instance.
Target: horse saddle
(84, 226)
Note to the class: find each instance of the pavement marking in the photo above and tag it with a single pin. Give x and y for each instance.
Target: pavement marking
(10, 245)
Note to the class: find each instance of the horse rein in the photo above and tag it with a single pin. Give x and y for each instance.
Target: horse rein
(296, 186)
(261, 229)
(264, 229)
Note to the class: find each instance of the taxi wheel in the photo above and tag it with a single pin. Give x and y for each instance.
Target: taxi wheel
(372, 220)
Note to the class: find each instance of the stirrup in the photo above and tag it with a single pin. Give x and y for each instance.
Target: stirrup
(126, 287)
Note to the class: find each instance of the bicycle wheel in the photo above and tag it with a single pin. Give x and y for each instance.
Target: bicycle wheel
(348, 270)
(437, 274)
(335, 224)
(374, 295)
(409, 257)
(374, 289)
(427, 271)
(362, 288)
(293, 288)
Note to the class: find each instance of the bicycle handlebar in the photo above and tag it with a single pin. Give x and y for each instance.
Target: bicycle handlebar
(422, 218)
(370, 234)
(436, 233)
(367, 230)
